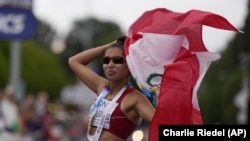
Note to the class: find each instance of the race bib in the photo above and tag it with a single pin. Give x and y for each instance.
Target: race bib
(98, 116)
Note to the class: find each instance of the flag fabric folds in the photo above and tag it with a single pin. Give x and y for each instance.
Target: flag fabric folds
(168, 60)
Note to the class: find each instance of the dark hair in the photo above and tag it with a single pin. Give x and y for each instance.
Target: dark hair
(121, 40)
(118, 44)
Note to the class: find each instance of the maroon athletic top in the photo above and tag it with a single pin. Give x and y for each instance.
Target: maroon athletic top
(120, 125)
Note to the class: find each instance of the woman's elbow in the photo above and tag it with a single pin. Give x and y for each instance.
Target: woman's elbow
(71, 61)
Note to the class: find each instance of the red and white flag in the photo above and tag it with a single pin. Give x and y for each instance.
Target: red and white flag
(167, 57)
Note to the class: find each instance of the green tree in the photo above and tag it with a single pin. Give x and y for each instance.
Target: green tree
(86, 34)
(41, 70)
(4, 64)
(45, 34)
(224, 78)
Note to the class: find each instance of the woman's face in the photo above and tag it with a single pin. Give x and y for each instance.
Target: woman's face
(114, 64)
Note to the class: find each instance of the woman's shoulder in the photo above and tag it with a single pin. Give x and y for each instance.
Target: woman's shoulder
(134, 93)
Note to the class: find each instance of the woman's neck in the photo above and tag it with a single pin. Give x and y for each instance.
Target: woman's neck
(114, 88)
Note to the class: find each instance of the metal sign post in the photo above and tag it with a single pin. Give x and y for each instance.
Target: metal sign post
(15, 80)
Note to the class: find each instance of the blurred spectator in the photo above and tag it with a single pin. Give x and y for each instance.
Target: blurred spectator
(45, 117)
(60, 121)
(76, 128)
(13, 128)
(9, 110)
(32, 122)
(36, 118)
(2, 122)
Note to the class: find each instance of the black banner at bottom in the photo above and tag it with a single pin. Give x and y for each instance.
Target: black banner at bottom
(222, 132)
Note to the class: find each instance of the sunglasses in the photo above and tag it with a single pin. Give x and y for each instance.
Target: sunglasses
(115, 59)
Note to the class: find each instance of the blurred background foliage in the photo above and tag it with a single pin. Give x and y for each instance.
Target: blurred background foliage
(226, 78)
(42, 69)
(88, 33)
